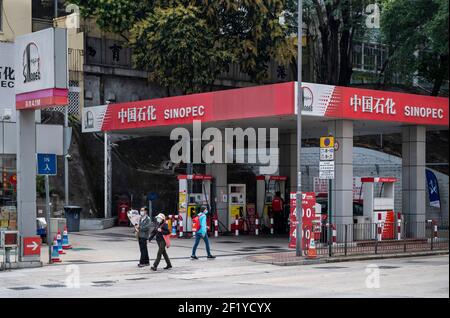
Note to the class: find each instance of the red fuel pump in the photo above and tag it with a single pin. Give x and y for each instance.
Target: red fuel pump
(122, 213)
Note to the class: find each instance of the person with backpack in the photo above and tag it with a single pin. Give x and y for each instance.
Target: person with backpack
(162, 233)
(277, 213)
(142, 230)
(199, 226)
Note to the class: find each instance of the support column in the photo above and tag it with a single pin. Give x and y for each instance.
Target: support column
(288, 159)
(413, 179)
(219, 172)
(26, 176)
(107, 176)
(342, 193)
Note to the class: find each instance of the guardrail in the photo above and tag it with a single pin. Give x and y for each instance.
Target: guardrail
(383, 238)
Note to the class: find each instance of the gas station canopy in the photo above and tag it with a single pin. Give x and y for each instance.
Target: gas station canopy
(271, 105)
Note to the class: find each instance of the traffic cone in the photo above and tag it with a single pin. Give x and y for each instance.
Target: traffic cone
(59, 240)
(312, 253)
(65, 240)
(55, 251)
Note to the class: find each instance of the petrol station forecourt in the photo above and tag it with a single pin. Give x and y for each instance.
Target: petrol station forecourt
(341, 112)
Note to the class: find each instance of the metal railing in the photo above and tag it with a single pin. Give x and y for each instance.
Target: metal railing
(382, 238)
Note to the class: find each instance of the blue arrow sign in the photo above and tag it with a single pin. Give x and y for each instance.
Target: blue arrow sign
(46, 164)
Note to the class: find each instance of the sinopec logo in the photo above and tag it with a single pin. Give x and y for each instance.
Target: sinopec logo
(308, 99)
(31, 63)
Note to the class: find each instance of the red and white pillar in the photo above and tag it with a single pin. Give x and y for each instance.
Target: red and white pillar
(257, 226)
(236, 224)
(333, 226)
(216, 227)
(181, 226)
(379, 228)
(271, 226)
(399, 226)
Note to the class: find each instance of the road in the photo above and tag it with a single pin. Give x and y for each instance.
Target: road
(234, 276)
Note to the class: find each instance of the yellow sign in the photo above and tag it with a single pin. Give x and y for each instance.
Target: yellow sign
(326, 142)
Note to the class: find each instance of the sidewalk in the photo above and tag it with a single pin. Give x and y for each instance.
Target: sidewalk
(290, 259)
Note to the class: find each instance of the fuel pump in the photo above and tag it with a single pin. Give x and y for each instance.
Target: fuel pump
(266, 187)
(188, 201)
(378, 204)
(236, 202)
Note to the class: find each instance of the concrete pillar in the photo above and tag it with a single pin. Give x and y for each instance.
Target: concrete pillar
(288, 159)
(413, 179)
(220, 184)
(26, 176)
(342, 194)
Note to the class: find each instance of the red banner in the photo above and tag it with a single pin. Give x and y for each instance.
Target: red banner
(308, 215)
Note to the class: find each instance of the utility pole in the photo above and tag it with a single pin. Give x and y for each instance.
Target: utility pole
(298, 245)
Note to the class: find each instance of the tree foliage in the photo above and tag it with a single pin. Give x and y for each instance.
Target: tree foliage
(417, 35)
(186, 44)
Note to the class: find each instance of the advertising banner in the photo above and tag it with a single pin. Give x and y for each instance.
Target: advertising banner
(41, 69)
(433, 189)
(308, 216)
(7, 80)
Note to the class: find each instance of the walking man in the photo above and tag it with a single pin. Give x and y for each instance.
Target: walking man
(202, 233)
(143, 231)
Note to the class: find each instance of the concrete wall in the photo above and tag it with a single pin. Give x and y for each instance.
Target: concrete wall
(367, 162)
(16, 19)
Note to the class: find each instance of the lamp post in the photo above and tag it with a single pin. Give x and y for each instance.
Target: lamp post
(298, 248)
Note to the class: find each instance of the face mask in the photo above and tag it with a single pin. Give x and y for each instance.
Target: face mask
(142, 213)
(158, 220)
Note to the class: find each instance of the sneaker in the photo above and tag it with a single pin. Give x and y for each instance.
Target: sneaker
(168, 267)
(194, 257)
(211, 256)
(153, 268)
(141, 265)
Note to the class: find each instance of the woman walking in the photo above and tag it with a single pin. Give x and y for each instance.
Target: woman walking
(161, 229)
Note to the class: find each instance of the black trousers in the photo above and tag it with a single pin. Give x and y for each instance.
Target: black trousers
(144, 252)
(278, 221)
(161, 252)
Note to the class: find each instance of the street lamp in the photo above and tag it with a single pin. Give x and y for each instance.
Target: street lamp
(298, 198)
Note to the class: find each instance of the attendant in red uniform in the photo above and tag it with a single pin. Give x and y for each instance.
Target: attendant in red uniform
(277, 213)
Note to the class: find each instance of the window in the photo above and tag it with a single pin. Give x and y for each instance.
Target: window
(368, 57)
(1, 15)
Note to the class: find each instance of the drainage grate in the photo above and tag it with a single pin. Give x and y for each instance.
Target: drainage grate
(105, 282)
(82, 249)
(21, 288)
(331, 267)
(54, 285)
(137, 278)
(388, 267)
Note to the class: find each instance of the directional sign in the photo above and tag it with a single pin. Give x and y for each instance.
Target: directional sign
(326, 154)
(46, 164)
(326, 174)
(32, 245)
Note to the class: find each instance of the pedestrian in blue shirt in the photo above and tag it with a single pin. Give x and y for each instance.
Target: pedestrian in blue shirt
(202, 233)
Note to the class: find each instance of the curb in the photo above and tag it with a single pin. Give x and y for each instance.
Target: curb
(349, 258)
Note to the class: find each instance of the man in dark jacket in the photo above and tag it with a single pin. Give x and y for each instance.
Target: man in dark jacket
(159, 231)
(143, 230)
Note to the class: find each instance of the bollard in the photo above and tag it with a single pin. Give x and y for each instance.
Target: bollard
(379, 227)
(399, 226)
(271, 226)
(181, 226)
(174, 226)
(256, 226)
(236, 223)
(216, 227)
(334, 233)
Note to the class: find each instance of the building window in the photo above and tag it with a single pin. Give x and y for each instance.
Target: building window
(368, 57)
(1, 15)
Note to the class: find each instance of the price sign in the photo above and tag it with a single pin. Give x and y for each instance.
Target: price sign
(308, 215)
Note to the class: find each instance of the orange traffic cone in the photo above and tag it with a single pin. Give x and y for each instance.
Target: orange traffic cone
(312, 253)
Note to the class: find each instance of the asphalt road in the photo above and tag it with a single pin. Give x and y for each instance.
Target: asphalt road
(234, 276)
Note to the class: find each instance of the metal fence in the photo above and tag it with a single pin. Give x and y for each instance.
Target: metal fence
(381, 238)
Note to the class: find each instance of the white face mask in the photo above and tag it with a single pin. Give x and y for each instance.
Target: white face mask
(159, 220)
(142, 213)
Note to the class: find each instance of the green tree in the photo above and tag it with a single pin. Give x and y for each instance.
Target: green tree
(416, 33)
(186, 44)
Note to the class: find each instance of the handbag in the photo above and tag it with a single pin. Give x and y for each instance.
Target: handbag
(167, 240)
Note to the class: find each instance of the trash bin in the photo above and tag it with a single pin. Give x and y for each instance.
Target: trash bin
(72, 213)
